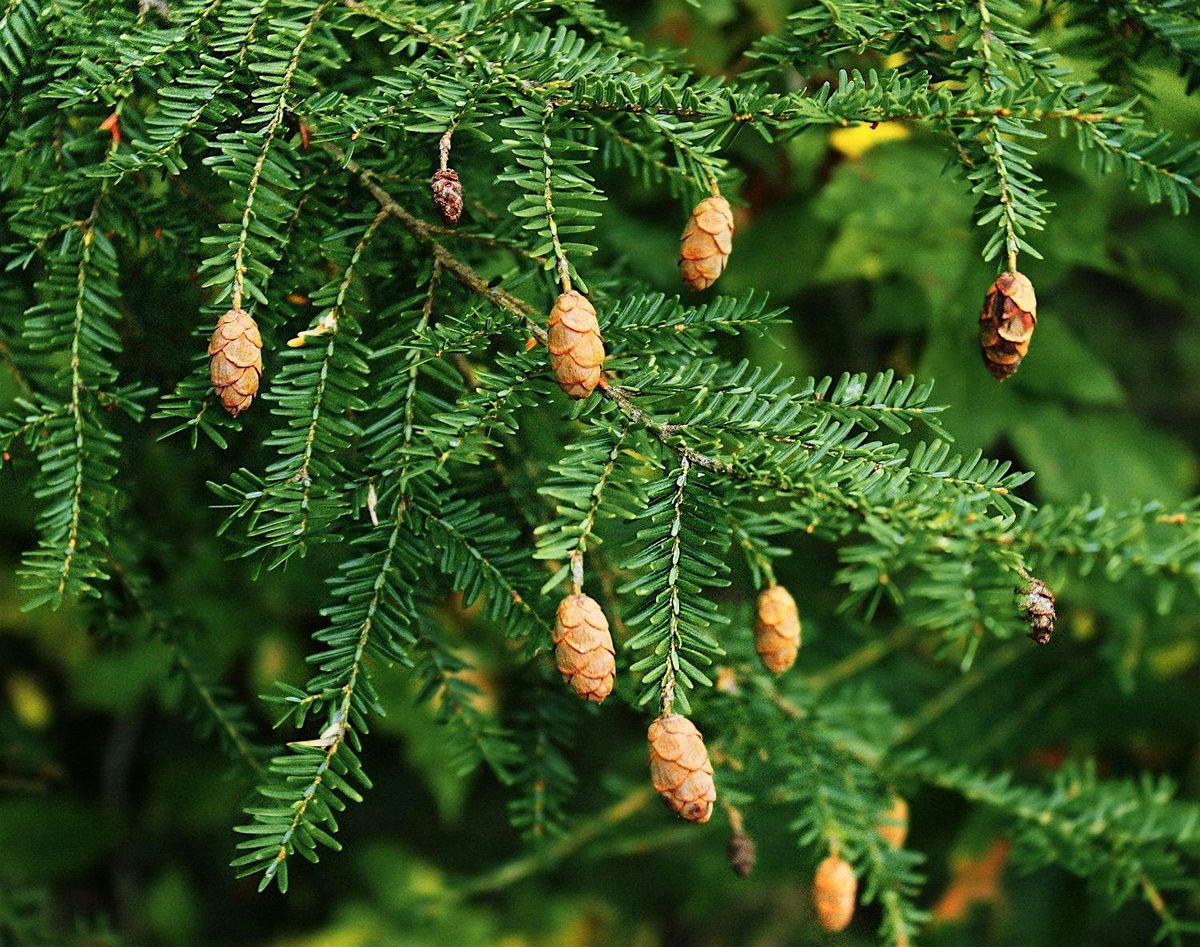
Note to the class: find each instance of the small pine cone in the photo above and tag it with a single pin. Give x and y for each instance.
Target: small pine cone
(894, 827)
(1006, 324)
(776, 629)
(583, 648)
(741, 854)
(834, 890)
(706, 243)
(1038, 603)
(447, 194)
(235, 363)
(680, 768)
(576, 348)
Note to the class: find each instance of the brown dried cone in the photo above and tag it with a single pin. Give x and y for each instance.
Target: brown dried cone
(447, 194)
(894, 827)
(1006, 324)
(1038, 603)
(706, 243)
(740, 853)
(576, 348)
(680, 768)
(235, 360)
(834, 890)
(776, 629)
(583, 647)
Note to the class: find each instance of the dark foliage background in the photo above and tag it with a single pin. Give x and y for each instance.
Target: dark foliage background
(115, 817)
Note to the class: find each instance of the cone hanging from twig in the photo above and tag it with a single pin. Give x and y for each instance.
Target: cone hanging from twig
(680, 768)
(576, 348)
(1006, 324)
(583, 647)
(776, 629)
(235, 360)
(447, 194)
(706, 243)
(741, 854)
(894, 826)
(1038, 603)
(834, 890)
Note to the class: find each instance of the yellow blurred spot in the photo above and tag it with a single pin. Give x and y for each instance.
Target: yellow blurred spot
(1083, 624)
(1174, 659)
(272, 657)
(857, 140)
(351, 936)
(427, 882)
(29, 702)
(895, 60)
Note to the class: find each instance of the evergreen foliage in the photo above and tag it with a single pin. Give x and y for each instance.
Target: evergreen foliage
(274, 155)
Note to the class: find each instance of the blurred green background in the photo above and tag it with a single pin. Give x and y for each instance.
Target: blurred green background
(115, 817)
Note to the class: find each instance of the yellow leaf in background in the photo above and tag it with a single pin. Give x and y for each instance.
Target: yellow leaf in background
(857, 140)
(895, 60)
(346, 934)
(29, 702)
(1173, 659)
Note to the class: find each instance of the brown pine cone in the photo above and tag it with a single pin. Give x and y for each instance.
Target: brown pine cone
(235, 363)
(894, 827)
(583, 648)
(447, 194)
(1038, 603)
(776, 629)
(706, 243)
(680, 769)
(741, 854)
(834, 890)
(576, 348)
(1006, 324)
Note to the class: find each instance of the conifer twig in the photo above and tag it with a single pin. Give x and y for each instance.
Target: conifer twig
(506, 301)
(546, 857)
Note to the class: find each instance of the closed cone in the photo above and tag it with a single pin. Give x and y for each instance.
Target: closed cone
(583, 648)
(235, 360)
(894, 826)
(576, 348)
(741, 854)
(834, 891)
(447, 194)
(680, 769)
(776, 629)
(1006, 324)
(1038, 603)
(706, 243)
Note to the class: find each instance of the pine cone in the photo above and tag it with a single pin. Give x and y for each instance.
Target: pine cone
(894, 827)
(1038, 603)
(776, 629)
(583, 648)
(706, 243)
(680, 768)
(1006, 324)
(447, 194)
(576, 348)
(834, 890)
(741, 854)
(235, 363)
